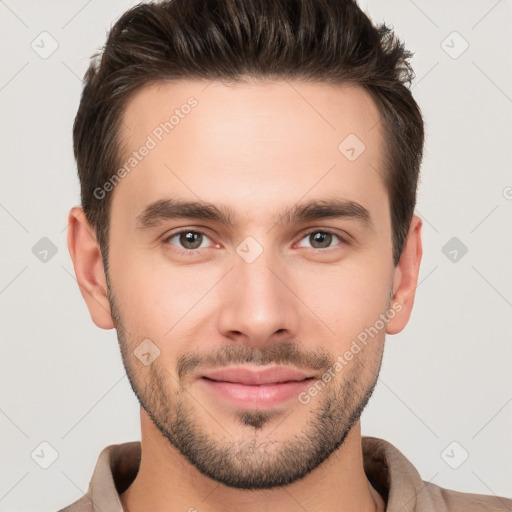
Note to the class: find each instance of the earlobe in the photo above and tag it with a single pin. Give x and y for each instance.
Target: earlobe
(88, 264)
(405, 279)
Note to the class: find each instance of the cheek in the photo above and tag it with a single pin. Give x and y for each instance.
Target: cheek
(347, 299)
(158, 299)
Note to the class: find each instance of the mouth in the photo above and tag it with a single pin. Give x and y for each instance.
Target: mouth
(256, 388)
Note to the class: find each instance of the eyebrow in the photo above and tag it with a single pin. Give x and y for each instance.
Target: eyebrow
(167, 209)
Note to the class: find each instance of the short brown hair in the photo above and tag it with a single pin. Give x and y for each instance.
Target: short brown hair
(329, 41)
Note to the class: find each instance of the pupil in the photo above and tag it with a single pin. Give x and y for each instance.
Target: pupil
(323, 238)
(190, 240)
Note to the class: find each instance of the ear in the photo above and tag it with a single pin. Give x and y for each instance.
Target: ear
(86, 255)
(405, 279)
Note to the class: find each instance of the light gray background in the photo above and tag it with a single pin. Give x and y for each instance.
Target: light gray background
(446, 378)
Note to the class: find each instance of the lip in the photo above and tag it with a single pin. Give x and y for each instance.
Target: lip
(249, 377)
(255, 389)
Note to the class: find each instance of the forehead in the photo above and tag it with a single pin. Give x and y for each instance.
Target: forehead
(250, 144)
(324, 109)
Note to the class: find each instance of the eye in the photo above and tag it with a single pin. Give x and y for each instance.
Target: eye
(320, 239)
(188, 240)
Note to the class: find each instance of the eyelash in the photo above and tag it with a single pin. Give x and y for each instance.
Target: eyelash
(192, 252)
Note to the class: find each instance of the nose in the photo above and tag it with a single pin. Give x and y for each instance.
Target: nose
(258, 303)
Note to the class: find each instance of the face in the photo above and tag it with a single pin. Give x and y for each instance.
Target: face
(251, 274)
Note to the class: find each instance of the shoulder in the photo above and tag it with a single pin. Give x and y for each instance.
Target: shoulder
(84, 504)
(115, 469)
(454, 501)
(398, 481)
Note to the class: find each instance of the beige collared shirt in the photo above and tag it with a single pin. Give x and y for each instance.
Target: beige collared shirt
(390, 473)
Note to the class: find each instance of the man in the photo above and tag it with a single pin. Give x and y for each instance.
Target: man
(248, 173)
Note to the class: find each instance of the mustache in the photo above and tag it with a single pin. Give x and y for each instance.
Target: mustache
(284, 353)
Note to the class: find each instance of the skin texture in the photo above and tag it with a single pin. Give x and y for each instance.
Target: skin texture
(257, 148)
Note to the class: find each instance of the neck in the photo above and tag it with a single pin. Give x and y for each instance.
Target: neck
(166, 482)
